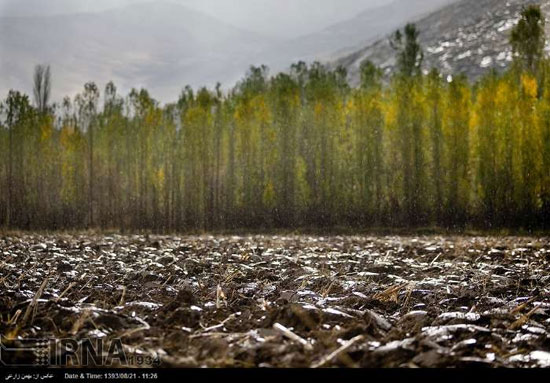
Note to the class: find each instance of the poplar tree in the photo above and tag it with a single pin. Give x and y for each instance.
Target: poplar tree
(528, 38)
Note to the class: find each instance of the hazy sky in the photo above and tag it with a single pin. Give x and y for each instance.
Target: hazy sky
(164, 45)
(277, 18)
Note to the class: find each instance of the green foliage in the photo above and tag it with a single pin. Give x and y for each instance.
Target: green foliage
(297, 149)
(371, 75)
(528, 37)
(409, 51)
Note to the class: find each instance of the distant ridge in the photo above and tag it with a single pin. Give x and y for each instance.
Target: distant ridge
(164, 46)
(348, 36)
(469, 37)
(159, 45)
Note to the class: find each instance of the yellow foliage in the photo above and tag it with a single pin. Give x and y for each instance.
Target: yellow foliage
(269, 194)
(160, 177)
(319, 109)
(529, 85)
(46, 128)
(67, 133)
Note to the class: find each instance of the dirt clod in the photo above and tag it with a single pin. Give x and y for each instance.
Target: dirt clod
(346, 301)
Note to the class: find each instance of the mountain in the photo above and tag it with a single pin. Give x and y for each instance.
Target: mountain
(159, 45)
(283, 19)
(165, 45)
(347, 36)
(469, 36)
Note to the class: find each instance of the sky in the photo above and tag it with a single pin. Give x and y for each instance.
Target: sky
(280, 19)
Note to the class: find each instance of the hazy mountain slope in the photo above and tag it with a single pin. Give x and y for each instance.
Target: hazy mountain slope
(277, 18)
(365, 27)
(284, 19)
(158, 45)
(164, 45)
(471, 37)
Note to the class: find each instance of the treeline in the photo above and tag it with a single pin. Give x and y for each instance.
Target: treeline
(296, 149)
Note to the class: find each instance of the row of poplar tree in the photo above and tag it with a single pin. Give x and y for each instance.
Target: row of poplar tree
(297, 149)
